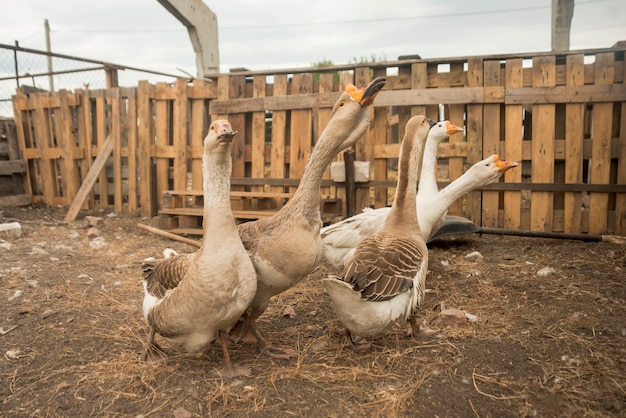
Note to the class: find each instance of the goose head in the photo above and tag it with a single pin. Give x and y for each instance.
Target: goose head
(220, 134)
(491, 168)
(442, 130)
(349, 118)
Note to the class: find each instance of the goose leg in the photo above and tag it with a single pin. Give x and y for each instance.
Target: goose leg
(246, 331)
(153, 353)
(228, 369)
(359, 345)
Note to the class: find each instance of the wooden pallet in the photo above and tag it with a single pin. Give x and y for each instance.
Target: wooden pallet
(181, 211)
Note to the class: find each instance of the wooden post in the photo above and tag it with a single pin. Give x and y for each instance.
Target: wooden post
(348, 160)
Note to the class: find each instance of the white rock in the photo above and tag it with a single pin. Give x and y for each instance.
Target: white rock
(16, 295)
(11, 230)
(474, 256)
(97, 243)
(546, 271)
(445, 263)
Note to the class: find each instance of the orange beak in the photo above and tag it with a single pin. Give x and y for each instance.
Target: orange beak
(504, 165)
(452, 129)
(365, 96)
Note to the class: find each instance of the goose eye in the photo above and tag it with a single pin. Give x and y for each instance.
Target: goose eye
(342, 103)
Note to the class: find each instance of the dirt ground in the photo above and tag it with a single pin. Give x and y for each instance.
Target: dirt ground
(71, 333)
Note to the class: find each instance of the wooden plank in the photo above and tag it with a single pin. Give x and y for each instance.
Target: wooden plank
(116, 134)
(456, 115)
(162, 131)
(300, 134)
(131, 129)
(99, 163)
(597, 93)
(381, 136)
(66, 142)
(180, 133)
(101, 135)
(21, 127)
(12, 166)
(15, 200)
(145, 139)
(620, 198)
(236, 90)
(279, 134)
(491, 142)
(323, 115)
(408, 97)
(513, 146)
(541, 205)
(600, 165)
(84, 136)
(574, 137)
(362, 76)
(198, 132)
(257, 165)
(42, 127)
(474, 132)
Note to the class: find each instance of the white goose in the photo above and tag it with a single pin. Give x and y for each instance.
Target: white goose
(340, 239)
(190, 298)
(286, 247)
(384, 279)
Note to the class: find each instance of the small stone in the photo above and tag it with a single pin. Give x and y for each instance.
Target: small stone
(93, 232)
(10, 230)
(450, 317)
(445, 263)
(93, 220)
(97, 243)
(474, 256)
(546, 271)
(16, 295)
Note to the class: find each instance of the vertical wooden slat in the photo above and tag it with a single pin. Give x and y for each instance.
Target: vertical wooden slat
(574, 119)
(620, 199)
(236, 90)
(491, 141)
(279, 130)
(600, 167)
(180, 134)
(380, 136)
(258, 133)
(198, 132)
(116, 135)
(42, 134)
(131, 127)
(21, 129)
(474, 132)
(323, 115)
(301, 122)
(542, 203)
(513, 137)
(87, 142)
(101, 134)
(145, 140)
(455, 164)
(362, 199)
(162, 130)
(67, 143)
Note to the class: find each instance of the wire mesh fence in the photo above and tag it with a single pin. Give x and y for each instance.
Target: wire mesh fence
(35, 70)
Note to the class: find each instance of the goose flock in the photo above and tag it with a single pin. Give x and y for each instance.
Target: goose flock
(380, 256)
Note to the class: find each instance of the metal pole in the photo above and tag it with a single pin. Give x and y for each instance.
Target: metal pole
(348, 160)
(17, 74)
(50, 78)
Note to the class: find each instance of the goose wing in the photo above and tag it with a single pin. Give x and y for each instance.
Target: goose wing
(164, 275)
(384, 265)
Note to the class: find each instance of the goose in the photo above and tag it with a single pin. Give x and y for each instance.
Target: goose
(340, 239)
(384, 279)
(189, 298)
(286, 247)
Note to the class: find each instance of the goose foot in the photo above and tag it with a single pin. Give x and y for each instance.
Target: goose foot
(242, 332)
(278, 352)
(359, 345)
(228, 369)
(154, 353)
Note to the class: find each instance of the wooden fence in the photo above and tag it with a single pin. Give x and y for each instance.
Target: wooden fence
(563, 116)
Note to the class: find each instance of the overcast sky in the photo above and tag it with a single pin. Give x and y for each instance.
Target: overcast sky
(272, 34)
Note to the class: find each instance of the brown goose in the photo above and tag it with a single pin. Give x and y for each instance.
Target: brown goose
(286, 247)
(384, 279)
(190, 298)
